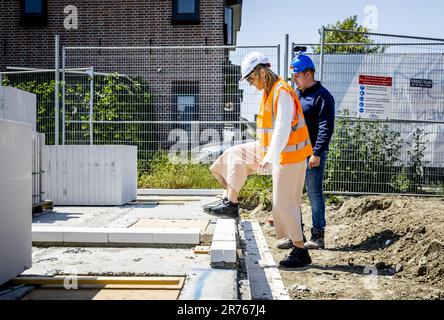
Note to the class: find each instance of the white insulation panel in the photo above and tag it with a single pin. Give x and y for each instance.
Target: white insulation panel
(90, 175)
(18, 105)
(15, 199)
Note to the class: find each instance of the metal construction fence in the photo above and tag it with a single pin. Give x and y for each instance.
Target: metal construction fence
(389, 93)
(159, 97)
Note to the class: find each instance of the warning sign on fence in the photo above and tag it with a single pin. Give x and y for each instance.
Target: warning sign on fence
(375, 94)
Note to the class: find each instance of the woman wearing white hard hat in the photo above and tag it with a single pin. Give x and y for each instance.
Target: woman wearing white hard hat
(283, 146)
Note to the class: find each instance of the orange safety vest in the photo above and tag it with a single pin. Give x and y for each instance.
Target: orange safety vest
(298, 147)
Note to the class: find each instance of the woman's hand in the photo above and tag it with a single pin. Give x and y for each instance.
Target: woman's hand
(314, 161)
(264, 167)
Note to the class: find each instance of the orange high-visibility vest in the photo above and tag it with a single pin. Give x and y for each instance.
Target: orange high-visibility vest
(298, 147)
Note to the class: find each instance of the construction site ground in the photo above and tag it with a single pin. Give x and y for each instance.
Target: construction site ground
(202, 281)
(377, 247)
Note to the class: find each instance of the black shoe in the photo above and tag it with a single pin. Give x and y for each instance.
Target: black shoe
(317, 239)
(207, 207)
(226, 209)
(297, 258)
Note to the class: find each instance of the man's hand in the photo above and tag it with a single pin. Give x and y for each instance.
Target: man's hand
(264, 167)
(314, 161)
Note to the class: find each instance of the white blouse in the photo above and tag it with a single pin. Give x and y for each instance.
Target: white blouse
(282, 128)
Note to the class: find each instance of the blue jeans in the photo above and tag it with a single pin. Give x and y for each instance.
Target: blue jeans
(313, 182)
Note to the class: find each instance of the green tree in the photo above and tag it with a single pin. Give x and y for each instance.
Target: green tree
(357, 35)
(116, 98)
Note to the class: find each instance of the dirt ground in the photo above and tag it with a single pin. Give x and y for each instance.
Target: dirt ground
(377, 247)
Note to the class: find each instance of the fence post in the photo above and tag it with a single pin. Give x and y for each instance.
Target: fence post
(91, 105)
(2, 101)
(286, 58)
(278, 58)
(63, 95)
(56, 98)
(321, 61)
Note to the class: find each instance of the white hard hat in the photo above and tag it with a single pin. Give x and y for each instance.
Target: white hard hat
(250, 61)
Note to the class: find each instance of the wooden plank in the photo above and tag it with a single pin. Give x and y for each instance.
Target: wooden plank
(168, 198)
(202, 250)
(118, 286)
(105, 294)
(59, 280)
(163, 202)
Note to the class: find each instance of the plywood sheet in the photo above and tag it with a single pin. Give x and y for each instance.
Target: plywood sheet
(165, 223)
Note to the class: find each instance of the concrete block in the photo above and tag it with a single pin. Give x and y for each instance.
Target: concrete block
(223, 246)
(69, 234)
(177, 236)
(225, 230)
(86, 236)
(46, 235)
(131, 236)
(223, 252)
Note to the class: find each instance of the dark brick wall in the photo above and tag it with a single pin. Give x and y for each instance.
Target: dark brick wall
(128, 23)
(106, 23)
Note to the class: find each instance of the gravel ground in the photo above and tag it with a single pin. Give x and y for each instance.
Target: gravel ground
(377, 247)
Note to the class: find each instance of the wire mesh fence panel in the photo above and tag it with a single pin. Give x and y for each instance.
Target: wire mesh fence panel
(158, 98)
(42, 84)
(389, 94)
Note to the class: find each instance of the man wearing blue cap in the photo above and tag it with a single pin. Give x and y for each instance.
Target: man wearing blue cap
(319, 111)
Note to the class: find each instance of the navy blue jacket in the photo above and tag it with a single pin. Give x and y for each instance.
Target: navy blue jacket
(319, 112)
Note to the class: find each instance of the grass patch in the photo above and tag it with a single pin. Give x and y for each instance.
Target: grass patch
(164, 174)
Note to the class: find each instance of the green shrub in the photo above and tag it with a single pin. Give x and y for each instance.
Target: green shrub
(257, 191)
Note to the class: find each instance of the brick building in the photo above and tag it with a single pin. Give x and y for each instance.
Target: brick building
(186, 84)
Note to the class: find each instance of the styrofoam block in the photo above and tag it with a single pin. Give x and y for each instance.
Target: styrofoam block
(177, 236)
(223, 251)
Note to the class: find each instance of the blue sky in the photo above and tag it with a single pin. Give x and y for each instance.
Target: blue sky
(266, 22)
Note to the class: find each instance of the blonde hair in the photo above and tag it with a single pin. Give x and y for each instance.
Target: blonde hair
(270, 77)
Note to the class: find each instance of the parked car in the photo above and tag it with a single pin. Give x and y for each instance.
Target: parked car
(210, 152)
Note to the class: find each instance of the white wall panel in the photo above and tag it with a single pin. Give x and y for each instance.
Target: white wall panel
(18, 105)
(91, 175)
(15, 198)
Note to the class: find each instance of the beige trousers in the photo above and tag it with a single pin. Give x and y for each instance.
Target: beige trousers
(236, 163)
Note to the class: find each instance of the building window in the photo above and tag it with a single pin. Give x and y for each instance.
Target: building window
(228, 26)
(34, 13)
(186, 12)
(186, 101)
